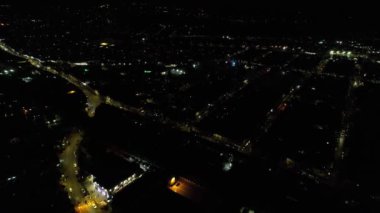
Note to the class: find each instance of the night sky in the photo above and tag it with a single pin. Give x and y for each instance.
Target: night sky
(327, 12)
(317, 17)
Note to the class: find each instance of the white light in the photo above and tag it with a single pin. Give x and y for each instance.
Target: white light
(11, 178)
(311, 53)
(81, 64)
(27, 79)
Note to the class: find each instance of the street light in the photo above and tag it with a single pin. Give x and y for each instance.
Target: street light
(172, 181)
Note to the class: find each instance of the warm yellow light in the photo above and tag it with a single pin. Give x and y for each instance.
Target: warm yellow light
(82, 208)
(71, 92)
(172, 181)
(104, 44)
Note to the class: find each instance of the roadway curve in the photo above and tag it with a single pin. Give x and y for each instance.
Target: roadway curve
(94, 99)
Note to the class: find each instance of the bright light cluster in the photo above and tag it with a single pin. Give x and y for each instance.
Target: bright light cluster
(341, 53)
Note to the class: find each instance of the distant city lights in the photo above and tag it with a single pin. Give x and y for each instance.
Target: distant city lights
(177, 72)
(81, 64)
(340, 53)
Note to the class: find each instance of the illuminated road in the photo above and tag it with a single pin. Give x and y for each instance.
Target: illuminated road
(210, 108)
(69, 169)
(87, 195)
(273, 114)
(94, 99)
(81, 193)
(125, 183)
(144, 165)
(355, 82)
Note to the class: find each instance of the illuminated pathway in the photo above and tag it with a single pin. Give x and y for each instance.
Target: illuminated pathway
(273, 114)
(87, 196)
(94, 99)
(225, 97)
(69, 169)
(125, 183)
(340, 147)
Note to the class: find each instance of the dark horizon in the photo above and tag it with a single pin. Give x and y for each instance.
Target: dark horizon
(338, 18)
